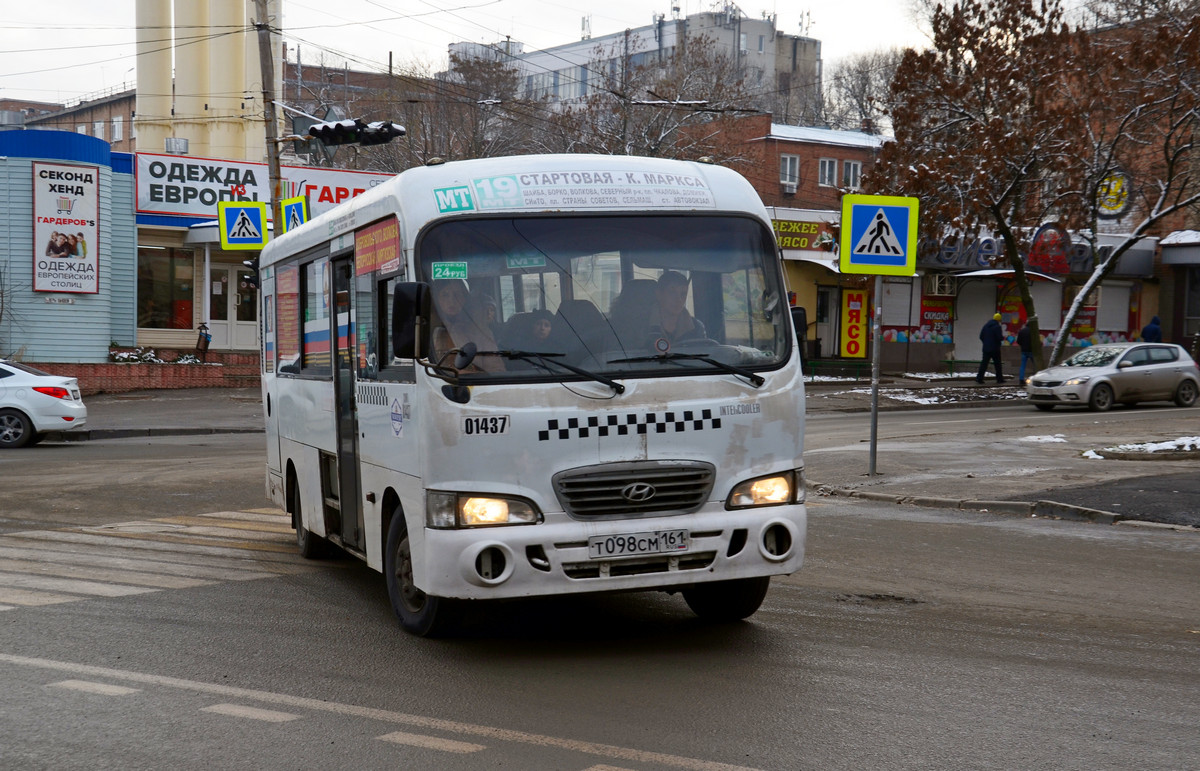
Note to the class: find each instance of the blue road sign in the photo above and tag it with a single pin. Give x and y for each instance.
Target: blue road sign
(879, 235)
(243, 224)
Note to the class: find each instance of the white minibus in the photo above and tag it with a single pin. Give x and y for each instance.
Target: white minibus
(539, 375)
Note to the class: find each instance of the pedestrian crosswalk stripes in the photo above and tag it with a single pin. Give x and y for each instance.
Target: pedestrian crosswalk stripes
(50, 567)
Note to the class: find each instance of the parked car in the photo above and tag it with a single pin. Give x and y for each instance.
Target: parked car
(33, 403)
(1124, 373)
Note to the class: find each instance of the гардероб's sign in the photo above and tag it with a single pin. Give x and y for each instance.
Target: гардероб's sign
(66, 228)
(192, 187)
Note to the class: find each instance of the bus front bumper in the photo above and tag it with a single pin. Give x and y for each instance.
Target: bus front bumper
(549, 559)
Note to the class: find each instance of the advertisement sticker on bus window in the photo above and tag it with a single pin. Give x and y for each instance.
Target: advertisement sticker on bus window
(490, 425)
(521, 261)
(443, 270)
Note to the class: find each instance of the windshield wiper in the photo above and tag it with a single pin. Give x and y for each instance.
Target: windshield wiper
(755, 379)
(542, 359)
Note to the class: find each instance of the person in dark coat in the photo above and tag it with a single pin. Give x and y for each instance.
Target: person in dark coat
(1025, 343)
(992, 336)
(1152, 332)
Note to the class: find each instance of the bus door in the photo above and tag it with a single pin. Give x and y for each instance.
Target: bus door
(344, 375)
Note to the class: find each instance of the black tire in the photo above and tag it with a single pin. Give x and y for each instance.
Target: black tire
(310, 545)
(1044, 407)
(16, 430)
(419, 613)
(725, 601)
(1101, 399)
(1185, 394)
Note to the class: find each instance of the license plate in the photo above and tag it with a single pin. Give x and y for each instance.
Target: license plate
(1035, 391)
(632, 544)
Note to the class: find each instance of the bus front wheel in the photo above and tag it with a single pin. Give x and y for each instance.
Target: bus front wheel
(419, 613)
(725, 601)
(310, 545)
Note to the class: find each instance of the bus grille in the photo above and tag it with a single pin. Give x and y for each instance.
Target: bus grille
(628, 490)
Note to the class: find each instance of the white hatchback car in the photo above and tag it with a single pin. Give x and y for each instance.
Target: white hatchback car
(33, 403)
(1118, 373)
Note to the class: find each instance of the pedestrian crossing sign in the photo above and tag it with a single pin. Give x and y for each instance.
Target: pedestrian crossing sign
(295, 213)
(879, 235)
(243, 224)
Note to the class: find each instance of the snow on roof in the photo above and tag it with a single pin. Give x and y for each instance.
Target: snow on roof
(1182, 238)
(826, 136)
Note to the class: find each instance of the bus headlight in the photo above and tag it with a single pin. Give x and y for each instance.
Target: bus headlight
(450, 510)
(773, 490)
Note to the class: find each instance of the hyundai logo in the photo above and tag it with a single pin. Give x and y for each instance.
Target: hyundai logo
(638, 492)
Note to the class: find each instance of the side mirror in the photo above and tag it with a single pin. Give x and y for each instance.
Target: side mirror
(800, 322)
(411, 306)
(1124, 364)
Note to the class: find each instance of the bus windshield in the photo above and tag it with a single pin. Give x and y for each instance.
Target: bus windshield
(617, 296)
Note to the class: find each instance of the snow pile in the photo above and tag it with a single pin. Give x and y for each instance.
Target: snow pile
(1044, 439)
(1182, 444)
(1093, 455)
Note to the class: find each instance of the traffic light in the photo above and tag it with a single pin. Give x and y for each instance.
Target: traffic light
(337, 132)
(347, 132)
(380, 132)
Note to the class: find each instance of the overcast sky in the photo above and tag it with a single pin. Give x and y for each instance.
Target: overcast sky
(59, 51)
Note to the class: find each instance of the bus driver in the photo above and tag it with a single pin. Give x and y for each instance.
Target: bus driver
(461, 321)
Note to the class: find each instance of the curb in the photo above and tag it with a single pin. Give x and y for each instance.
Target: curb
(127, 433)
(1043, 509)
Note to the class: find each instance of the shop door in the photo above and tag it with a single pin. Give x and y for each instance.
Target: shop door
(828, 313)
(344, 362)
(232, 308)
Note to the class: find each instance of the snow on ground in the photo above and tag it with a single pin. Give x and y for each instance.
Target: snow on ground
(1092, 454)
(937, 394)
(1182, 444)
(1044, 439)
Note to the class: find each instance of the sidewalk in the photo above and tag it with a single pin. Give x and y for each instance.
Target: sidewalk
(1018, 477)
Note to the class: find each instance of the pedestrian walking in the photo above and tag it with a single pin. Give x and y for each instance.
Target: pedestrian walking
(992, 336)
(1025, 343)
(1152, 332)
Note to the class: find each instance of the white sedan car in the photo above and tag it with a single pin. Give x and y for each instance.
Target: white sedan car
(1118, 373)
(33, 403)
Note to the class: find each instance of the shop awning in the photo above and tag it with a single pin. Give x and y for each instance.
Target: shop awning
(1001, 273)
(826, 260)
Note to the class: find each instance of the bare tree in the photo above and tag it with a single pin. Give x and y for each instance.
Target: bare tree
(662, 108)
(857, 90)
(1136, 88)
(977, 131)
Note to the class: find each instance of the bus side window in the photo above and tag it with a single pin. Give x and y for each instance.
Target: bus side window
(389, 367)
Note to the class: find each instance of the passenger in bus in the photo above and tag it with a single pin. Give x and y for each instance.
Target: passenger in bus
(458, 321)
(670, 320)
(543, 325)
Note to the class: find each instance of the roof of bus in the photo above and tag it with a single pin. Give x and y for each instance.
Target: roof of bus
(527, 184)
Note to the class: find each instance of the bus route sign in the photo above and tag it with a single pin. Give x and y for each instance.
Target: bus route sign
(879, 235)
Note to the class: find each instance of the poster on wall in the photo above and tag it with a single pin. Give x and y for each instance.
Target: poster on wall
(854, 323)
(66, 228)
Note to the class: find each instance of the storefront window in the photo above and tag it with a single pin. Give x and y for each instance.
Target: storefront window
(164, 288)
(1191, 322)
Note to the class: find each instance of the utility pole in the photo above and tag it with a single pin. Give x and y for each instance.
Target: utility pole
(266, 63)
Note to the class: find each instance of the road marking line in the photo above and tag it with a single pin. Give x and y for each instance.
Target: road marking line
(386, 716)
(87, 686)
(160, 541)
(134, 577)
(606, 768)
(70, 586)
(203, 523)
(86, 543)
(147, 564)
(8, 607)
(250, 713)
(25, 598)
(431, 742)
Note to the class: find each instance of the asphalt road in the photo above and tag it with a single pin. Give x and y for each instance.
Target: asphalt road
(912, 638)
